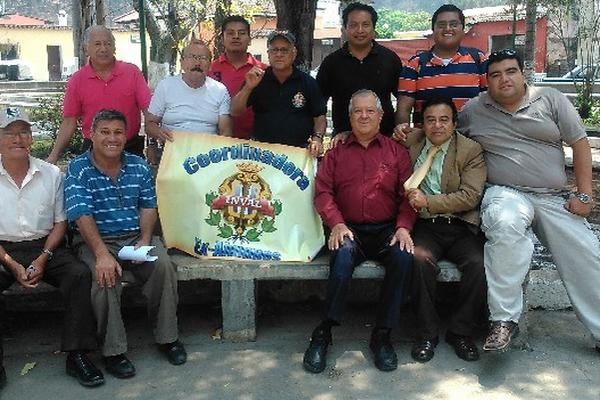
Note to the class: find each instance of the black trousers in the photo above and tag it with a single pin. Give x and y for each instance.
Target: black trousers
(455, 241)
(74, 280)
(370, 242)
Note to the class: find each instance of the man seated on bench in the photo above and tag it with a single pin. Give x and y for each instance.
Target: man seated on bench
(446, 189)
(32, 230)
(522, 130)
(360, 197)
(110, 196)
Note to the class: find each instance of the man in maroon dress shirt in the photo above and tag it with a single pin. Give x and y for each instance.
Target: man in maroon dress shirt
(360, 196)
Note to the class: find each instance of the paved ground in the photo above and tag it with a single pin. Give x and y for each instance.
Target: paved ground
(560, 364)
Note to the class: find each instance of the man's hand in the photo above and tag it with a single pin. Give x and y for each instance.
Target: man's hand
(401, 132)
(254, 76)
(22, 277)
(339, 138)
(315, 146)
(417, 199)
(40, 265)
(107, 269)
(140, 243)
(164, 134)
(336, 238)
(402, 237)
(575, 206)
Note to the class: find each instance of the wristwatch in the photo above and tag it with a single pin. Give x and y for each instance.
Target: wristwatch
(584, 197)
(49, 252)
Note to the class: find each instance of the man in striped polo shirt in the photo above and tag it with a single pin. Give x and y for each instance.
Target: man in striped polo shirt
(447, 70)
(110, 196)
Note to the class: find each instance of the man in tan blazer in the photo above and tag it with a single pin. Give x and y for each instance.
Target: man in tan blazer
(446, 195)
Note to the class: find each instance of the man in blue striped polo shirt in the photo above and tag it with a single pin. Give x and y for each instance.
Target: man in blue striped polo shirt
(110, 196)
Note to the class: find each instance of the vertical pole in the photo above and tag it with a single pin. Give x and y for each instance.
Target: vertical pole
(142, 18)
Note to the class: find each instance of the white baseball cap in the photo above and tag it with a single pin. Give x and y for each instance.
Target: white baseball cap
(8, 115)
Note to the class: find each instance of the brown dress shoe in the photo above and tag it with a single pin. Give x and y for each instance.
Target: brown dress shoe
(500, 335)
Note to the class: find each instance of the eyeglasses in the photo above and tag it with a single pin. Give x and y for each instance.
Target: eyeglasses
(501, 55)
(282, 50)
(448, 24)
(14, 135)
(198, 58)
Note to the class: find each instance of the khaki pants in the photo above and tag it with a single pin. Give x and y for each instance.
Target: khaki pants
(159, 283)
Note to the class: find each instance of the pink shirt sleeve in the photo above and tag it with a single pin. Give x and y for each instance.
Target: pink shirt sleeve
(142, 91)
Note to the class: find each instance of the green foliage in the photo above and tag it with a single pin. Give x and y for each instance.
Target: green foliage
(594, 115)
(41, 148)
(47, 117)
(391, 21)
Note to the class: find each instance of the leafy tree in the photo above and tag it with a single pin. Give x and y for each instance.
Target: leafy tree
(391, 21)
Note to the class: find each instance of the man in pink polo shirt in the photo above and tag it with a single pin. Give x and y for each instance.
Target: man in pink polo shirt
(231, 67)
(102, 83)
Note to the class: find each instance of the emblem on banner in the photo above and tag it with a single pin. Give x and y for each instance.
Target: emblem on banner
(243, 209)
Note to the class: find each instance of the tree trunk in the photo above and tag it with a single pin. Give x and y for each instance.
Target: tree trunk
(222, 11)
(82, 19)
(100, 12)
(529, 54)
(298, 17)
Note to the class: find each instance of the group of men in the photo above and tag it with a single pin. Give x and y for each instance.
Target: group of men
(472, 197)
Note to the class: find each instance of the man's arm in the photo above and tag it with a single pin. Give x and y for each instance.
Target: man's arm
(15, 268)
(404, 108)
(148, 217)
(582, 169)
(239, 103)
(225, 125)
(153, 128)
(65, 134)
(106, 265)
(54, 239)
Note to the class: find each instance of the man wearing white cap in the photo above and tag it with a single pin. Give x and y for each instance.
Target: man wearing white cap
(32, 230)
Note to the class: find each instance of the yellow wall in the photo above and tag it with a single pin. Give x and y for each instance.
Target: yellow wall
(32, 44)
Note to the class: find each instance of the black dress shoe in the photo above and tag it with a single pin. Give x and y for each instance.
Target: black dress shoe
(423, 350)
(2, 377)
(463, 346)
(383, 352)
(82, 368)
(119, 366)
(175, 352)
(315, 357)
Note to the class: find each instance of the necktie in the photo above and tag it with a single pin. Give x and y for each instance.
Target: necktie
(420, 173)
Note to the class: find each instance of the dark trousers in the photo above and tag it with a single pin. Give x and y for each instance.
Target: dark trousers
(74, 281)
(457, 242)
(135, 145)
(370, 242)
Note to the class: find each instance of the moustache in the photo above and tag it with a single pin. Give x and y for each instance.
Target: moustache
(197, 69)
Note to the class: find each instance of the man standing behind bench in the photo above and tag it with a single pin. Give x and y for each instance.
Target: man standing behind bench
(32, 230)
(110, 195)
(446, 189)
(360, 197)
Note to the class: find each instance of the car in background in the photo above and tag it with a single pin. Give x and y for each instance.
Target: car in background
(577, 74)
(15, 70)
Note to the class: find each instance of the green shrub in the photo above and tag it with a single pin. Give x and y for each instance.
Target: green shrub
(47, 116)
(41, 148)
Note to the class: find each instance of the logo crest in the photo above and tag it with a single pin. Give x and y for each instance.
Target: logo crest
(243, 209)
(298, 101)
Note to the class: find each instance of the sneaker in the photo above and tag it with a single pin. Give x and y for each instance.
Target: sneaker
(500, 335)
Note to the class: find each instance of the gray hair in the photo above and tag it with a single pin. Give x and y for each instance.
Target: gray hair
(364, 93)
(96, 28)
(107, 114)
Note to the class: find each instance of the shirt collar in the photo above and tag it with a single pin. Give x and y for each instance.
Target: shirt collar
(88, 155)
(33, 168)
(250, 60)
(374, 49)
(444, 147)
(532, 94)
(353, 140)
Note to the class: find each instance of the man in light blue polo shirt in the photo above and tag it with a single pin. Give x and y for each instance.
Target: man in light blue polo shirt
(110, 196)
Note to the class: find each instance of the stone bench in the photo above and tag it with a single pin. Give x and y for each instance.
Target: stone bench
(239, 285)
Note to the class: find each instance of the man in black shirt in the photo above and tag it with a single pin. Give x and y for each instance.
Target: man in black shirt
(287, 103)
(361, 63)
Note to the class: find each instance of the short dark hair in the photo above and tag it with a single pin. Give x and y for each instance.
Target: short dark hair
(358, 7)
(234, 18)
(107, 114)
(436, 101)
(504, 54)
(447, 8)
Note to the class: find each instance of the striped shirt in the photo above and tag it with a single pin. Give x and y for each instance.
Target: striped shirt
(460, 80)
(113, 204)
